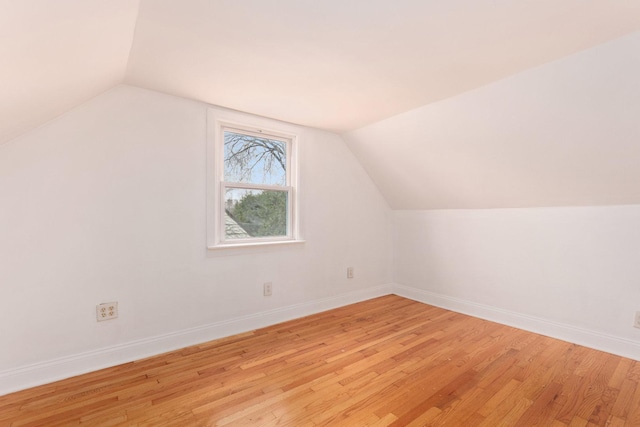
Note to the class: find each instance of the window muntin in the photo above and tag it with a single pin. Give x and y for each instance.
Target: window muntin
(255, 186)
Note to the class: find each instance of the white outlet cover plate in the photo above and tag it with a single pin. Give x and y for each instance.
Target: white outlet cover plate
(106, 311)
(268, 289)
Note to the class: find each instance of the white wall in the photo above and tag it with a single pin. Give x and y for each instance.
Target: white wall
(572, 273)
(107, 203)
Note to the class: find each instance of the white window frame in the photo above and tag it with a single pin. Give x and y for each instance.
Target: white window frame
(216, 186)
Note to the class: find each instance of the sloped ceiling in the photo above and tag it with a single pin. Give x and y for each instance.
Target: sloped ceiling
(563, 134)
(372, 70)
(339, 65)
(332, 64)
(56, 54)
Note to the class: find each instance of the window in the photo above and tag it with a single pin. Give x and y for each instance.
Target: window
(254, 186)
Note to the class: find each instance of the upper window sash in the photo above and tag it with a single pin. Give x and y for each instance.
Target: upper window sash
(237, 142)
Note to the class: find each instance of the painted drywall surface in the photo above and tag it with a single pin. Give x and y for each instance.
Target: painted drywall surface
(107, 203)
(577, 266)
(563, 134)
(57, 55)
(341, 65)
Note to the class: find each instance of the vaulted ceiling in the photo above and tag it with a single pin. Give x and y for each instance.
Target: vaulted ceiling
(563, 134)
(370, 69)
(55, 55)
(332, 64)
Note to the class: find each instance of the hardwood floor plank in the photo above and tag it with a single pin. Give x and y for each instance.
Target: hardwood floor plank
(543, 407)
(388, 361)
(623, 402)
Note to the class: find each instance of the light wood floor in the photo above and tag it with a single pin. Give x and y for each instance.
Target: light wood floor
(387, 361)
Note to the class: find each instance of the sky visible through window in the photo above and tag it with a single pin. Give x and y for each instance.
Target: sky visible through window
(250, 159)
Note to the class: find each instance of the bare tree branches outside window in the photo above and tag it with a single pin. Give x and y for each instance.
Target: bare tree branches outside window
(254, 160)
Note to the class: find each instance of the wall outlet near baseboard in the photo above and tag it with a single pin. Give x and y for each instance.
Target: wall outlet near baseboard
(636, 321)
(268, 288)
(106, 311)
(349, 272)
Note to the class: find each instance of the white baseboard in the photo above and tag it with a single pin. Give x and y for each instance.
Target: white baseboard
(592, 339)
(66, 367)
(57, 369)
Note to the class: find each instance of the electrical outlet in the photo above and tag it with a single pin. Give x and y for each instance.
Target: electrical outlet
(349, 272)
(267, 289)
(636, 322)
(106, 311)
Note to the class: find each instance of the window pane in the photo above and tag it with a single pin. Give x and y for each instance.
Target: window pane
(254, 160)
(255, 213)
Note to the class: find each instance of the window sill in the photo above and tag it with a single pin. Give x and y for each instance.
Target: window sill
(255, 244)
